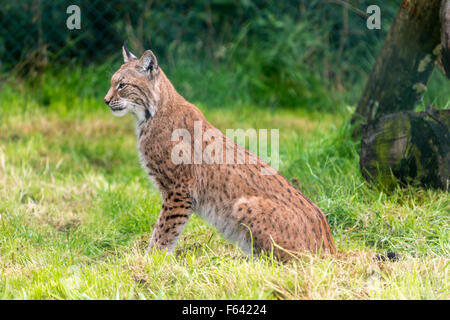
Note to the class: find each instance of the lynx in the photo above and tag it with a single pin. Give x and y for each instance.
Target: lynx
(260, 212)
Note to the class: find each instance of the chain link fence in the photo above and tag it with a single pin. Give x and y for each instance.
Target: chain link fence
(36, 32)
(276, 39)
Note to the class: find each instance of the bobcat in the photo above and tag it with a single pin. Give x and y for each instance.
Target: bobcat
(260, 212)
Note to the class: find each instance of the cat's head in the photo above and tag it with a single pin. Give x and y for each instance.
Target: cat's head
(135, 87)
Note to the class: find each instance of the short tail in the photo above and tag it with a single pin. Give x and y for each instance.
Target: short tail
(376, 257)
(390, 256)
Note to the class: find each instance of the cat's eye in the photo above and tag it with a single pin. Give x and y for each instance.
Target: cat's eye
(121, 86)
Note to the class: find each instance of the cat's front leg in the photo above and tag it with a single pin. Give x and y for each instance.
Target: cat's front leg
(174, 215)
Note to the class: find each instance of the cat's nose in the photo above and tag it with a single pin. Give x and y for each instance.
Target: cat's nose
(109, 96)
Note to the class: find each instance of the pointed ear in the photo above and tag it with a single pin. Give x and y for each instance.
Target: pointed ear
(127, 55)
(148, 62)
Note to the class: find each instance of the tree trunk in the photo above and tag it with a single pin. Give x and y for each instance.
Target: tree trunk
(415, 147)
(445, 37)
(400, 75)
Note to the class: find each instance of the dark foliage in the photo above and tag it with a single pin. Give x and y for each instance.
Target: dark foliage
(284, 50)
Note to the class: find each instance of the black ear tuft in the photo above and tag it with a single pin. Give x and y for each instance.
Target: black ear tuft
(127, 55)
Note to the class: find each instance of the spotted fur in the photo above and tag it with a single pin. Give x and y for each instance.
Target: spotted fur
(261, 213)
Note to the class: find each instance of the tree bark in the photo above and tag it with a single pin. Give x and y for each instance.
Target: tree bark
(414, 147)
(400, 75)
(445, 36)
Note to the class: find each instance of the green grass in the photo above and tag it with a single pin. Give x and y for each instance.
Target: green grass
(77, 210)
